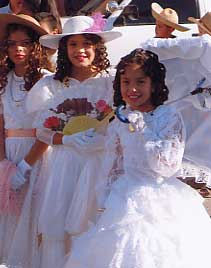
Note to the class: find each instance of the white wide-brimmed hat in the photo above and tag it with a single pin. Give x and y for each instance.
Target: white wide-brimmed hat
(204, 22)
(167, 16)
(22, 19)
(77, 25)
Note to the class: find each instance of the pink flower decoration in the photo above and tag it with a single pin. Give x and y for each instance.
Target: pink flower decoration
(101, 105)
(99, 23)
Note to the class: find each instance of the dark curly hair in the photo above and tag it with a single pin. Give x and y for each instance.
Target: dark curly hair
(37, 60)
(151, 67)
(64, 66)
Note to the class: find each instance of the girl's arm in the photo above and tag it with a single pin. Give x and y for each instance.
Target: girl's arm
(165, 147)
(36, 152)
(25, 165)
(88, 140)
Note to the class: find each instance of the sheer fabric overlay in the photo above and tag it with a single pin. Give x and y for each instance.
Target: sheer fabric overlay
(149, 215)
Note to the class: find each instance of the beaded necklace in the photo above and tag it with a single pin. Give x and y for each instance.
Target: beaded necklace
(18, 102)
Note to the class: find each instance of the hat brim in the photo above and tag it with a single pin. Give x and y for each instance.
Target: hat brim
(201, 25)
(156, 9)
(52, 40)
(6, 19)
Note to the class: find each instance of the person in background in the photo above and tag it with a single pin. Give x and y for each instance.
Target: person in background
(166, 21)
(52, 25)
(204, 24)
(188, 62)
(28, 7)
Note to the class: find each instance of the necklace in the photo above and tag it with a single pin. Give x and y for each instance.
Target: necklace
(19, 82)
(18, 102)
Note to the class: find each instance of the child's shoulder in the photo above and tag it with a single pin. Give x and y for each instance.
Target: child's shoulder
(165, 115)
(165, 110)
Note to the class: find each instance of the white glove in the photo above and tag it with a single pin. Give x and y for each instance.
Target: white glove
(45, 135)
(22, 174)
(85, 140)
(136, 120)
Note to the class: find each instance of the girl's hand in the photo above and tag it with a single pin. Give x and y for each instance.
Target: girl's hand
(21, 175)
(81, 138)
(88, 140)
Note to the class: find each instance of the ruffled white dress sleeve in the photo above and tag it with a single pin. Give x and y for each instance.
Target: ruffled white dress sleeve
(187, 62)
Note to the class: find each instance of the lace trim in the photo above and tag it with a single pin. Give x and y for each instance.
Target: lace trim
(201, 174)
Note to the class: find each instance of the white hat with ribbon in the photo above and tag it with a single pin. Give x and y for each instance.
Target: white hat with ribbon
(80, 25)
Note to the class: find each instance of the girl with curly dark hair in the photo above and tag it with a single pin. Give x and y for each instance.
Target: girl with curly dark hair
(148, 62)
(82, 80)
(146, 207)
(22, 64)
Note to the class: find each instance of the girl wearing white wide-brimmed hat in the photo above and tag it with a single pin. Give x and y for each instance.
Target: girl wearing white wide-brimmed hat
(82, 78)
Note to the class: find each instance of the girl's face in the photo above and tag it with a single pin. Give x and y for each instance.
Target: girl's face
(19, 47)
(136, 88)
(81, 52)
(162, 30)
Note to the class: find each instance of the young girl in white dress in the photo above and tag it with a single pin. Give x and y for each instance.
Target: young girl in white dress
(82, 79)
(150, 218)
(22, 64)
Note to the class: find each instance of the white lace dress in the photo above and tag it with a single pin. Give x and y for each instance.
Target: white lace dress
(188, 61)
(17, 231)
(151, 219)
(67, 163)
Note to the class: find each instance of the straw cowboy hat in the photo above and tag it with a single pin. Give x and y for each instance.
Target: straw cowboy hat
(77, 25)
(204, 22)
(22, 19)
(167, 16)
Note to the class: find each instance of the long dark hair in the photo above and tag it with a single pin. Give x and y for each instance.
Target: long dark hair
(36, 62)
(64, 66)
(151, 67)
